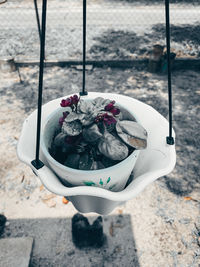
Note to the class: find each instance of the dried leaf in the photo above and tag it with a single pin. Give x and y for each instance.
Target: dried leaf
(23, 176)
(50, 203)
(65, 201)
(132, 133)
(112, 147)
(187, 198)
(120, 211)
(48, 197)
(41, 187)
(111, 230)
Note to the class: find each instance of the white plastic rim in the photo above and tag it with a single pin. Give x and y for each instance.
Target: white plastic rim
(157, 160)
(112, 178)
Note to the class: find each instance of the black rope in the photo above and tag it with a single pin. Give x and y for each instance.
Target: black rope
(170, 139)
(37, 163)
(37, 18)
(84, 92)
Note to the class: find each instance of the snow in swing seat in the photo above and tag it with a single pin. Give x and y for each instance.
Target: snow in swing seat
(157, 160)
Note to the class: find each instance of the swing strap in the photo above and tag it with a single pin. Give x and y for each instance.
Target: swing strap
(37, 163)
(169, 139)
(37, 18)
(84, 92)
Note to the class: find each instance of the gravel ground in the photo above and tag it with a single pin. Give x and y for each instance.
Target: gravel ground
(164, 220)
(115, 39)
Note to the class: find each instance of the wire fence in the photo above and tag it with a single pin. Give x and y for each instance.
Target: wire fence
(120, 29)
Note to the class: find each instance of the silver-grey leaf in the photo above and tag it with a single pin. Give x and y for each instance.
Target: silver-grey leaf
(72, 128)
(59, 140)
(112, 147)
(132, 133)
(125, 115)
(88, 119)
(72, 116)
(100, 103)
(92, 133)
(85, 106)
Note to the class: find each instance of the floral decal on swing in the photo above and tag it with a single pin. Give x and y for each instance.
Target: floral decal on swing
(100, 184)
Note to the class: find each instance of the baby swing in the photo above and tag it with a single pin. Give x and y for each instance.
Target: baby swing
(157, 160)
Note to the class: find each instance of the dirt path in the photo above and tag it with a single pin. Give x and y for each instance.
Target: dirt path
(164, 220)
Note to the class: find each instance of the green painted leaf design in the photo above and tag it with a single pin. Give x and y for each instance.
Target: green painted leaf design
(89, 183)
(101, 182)
(108, 180)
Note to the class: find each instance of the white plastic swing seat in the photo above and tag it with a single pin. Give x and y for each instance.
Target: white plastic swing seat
(157, 160)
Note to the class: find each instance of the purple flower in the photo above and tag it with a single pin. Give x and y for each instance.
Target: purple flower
(75, 99)
(72, 102)
(110, 106)
(61, 120)
(107, 119)
(115, 111)
(66, 102)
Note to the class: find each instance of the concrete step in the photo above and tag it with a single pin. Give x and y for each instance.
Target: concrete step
(15, 251)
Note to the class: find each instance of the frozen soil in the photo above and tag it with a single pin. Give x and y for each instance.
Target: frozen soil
(160, 227)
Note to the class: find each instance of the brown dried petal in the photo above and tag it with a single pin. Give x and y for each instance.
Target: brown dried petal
(132, 133)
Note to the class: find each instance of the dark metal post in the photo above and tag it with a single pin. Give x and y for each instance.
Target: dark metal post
(170, 139)
(84, 92)
(37, 18)
(37, 163)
